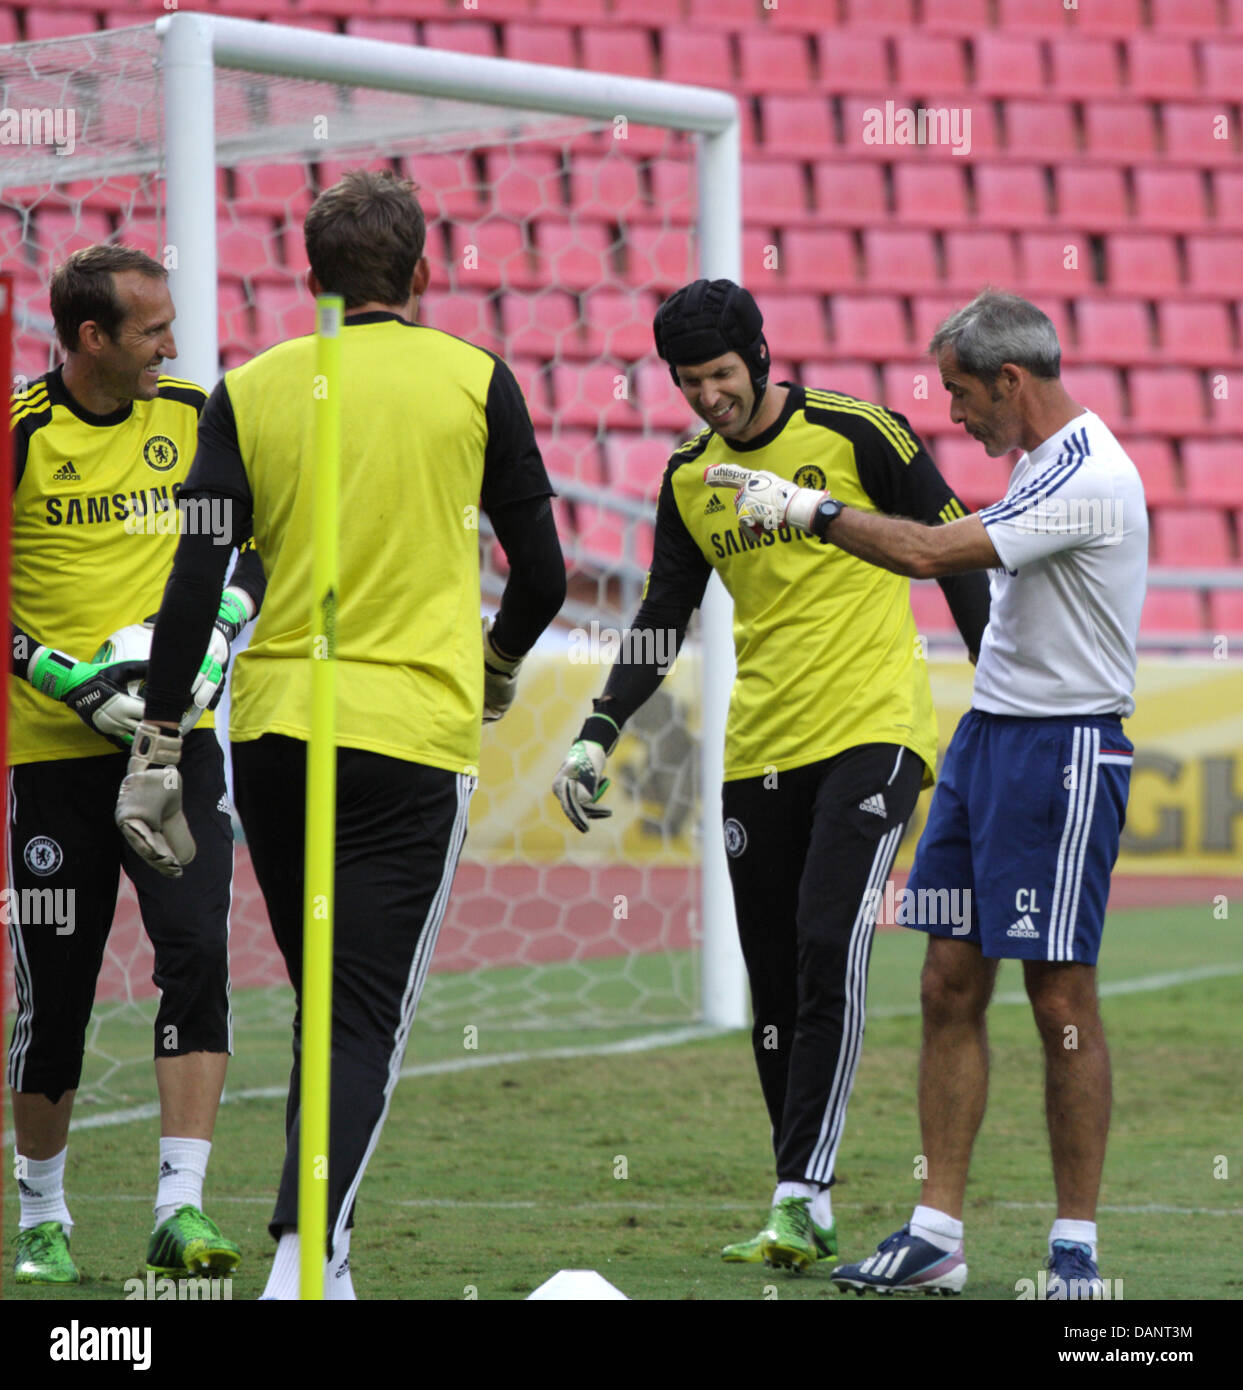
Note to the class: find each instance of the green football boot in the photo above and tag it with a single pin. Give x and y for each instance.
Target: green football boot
(43, 1256)
(792, 1240)
(752, 1251)
(190, 1243)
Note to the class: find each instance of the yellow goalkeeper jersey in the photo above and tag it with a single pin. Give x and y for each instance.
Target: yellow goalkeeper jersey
(94, 536)
(827, 652)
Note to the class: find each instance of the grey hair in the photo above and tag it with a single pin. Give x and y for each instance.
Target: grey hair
(996, 328)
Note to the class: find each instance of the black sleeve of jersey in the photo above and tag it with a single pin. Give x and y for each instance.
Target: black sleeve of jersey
(916, 489)
(535, 589)
(675, 588)
(513, 470)
(218, 471)
(248, 574)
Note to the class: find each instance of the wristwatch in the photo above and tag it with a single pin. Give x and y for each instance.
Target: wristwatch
(825, 515)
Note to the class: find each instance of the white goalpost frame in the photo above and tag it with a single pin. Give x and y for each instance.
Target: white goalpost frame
(193, 44)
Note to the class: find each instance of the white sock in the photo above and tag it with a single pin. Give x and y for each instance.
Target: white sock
(937, 1228)
(285, 1281)
(338, 1285)
(794, 1189)
(822, 1208)
(183, 1166)
(1081, 1232)
(42, 1190)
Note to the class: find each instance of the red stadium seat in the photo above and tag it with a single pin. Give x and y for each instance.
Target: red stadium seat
(869, 326)
(1198, 333)
(739, 14)
(272, 190)
(930, 611)
(1228, 198)
(772, 62)
(774, 190)
(799, 125)
(1011, 195)
(928, 312)
(878, 16)
(1119, 131)
(492, 253)
(921, 54)
(1198, 134)
(1172, 611)
(1226, 401)
(1223, 69)
(1191, 536)
(900, 260)
(1096, 389)
(448, 184)
(660, 257)
(1091, 196)
(1055, 262)
(233, 316)
(606, 189)
(1008, 65)
(636, 463)
(914, 389)
(282, 310)
(58, 232)
(1114, 18)
(978, 120)
(1225, 611)
(794, 324)
(1041, 130)
(1213, 471)
(975, 259)
(818, 260)
(523, 182)
(852, 194)
(533, 381)
(383, 30)
(857, 379)
(538, 43)
(1169, 200)
(1193, 18)
(59, 24)
(572, 454)
(1166, 400)
(700, 56)
(664, 406)
(1031, 17)
(964, 17)
(251, 246)
(1154, 458)
(930, 194)
(1215, 264)
(626, 52)
(977, 479)
(617, 324)
(853, 62)
(462, 36)
(1085, 67)
(576, 256)
(536, 325)
(653, 13)
(763, 258)
(1161, 67)
(467, 314)
(673, 188)
(8, 26)
(1115, 331)
(1142, 263)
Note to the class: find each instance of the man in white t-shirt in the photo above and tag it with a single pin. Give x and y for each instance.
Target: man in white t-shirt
(1031, 800)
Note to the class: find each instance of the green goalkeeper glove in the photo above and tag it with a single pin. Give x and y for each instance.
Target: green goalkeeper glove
(148, 811)
(98, 692)
(580, 783)
(236, 610)
(765, 502)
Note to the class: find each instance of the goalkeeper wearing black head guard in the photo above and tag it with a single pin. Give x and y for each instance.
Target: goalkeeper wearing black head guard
(831, 731)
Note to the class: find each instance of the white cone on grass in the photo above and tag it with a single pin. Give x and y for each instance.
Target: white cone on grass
(576, 1284)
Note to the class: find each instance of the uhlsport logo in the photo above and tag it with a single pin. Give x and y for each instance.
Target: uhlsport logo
(160, 453)
(43, 856)
(735, 838)
(811, 476)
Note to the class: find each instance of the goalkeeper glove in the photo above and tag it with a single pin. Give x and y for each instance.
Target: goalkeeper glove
(500, 678)
(764, 501)
(236, 610)
(96, 691)
(149, 812)
(580, 783)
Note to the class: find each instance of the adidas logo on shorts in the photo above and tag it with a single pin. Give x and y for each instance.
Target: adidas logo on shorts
(1024, 928)
(876, 805)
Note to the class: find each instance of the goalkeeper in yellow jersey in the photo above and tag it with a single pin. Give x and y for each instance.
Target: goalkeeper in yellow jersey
(101, 447)
(831, 732)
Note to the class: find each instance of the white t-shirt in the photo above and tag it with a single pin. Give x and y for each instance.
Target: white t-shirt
(1072, 533)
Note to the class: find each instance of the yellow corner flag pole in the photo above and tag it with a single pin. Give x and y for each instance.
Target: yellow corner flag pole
(321, 801)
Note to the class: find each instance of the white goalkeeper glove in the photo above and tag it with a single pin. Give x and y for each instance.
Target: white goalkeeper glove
(580, 783)
(764, 501)
(148, 811)
(98, 692)
(236, 610)
(500, 678)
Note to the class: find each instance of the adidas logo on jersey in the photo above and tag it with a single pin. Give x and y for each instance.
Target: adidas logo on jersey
(1024, 928)
(714, 505)
(67, 473)
(876, 805)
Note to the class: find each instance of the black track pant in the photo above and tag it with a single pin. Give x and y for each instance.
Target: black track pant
(810, 851)
(400, 828)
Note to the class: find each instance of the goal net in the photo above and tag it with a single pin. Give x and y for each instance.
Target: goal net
(552, 238)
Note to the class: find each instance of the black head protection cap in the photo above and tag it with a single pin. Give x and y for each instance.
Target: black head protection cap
(708, 318)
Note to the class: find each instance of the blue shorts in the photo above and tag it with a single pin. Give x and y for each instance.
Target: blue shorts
(1022, 836)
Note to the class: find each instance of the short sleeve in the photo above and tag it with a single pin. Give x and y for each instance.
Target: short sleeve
(1072, 505)
(513, 470)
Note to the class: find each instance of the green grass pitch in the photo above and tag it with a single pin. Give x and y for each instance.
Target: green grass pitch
(641, 1165)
